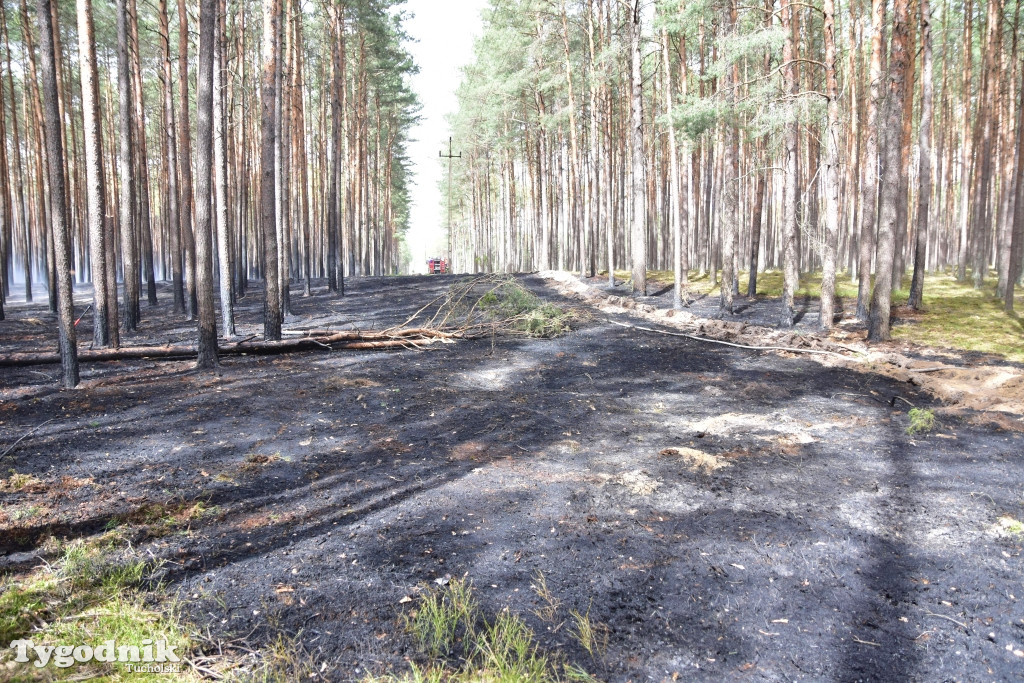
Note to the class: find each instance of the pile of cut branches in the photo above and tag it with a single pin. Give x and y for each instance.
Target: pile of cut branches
(498, 304)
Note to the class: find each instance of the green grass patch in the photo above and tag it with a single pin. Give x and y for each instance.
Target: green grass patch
(93, 593)
(462, 646)
(958, 316)
(955, 316)
(101, 589)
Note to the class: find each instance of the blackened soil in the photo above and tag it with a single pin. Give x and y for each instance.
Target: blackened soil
(818, 540)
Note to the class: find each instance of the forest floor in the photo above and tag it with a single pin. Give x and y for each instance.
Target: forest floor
(712, 512)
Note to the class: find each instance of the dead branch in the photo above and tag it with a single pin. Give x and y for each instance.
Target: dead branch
(738, 346)
(458, 314)
(349, 339)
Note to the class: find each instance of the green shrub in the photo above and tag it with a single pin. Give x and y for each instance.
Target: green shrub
(922, 421)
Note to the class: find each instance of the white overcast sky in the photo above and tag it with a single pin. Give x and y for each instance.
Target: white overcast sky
(443, 32)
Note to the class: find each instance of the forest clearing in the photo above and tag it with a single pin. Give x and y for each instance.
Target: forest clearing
(650, 507)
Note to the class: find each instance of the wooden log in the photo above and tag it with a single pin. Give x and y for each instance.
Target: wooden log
(349, 339)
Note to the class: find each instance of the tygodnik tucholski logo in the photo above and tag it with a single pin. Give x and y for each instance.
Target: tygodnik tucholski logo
(148, 657)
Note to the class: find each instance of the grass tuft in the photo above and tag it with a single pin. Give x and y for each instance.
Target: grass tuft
(591, 635)
(548, 609)
(464, 647)
(444, 618)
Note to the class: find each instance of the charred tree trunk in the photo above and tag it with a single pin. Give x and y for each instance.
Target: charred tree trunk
(268, 206)
(67, 342)
(207, 350)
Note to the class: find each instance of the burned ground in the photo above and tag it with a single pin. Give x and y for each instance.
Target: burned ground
(725, 513)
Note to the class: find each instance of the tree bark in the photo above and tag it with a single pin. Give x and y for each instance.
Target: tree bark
(187, 201)
(207, 349)
(19, 185)
(966, 145)
(126, 168)
(833, 133)
(171, 159)
(924, 193)
(673, 200)
(1017, 239)
(67, 342)
(220, 160)
(638, 230)
(881, 299)
(869, 188)
(790, 228)
(95, 192)
(268, 206)
(730, 174)
(144, 232)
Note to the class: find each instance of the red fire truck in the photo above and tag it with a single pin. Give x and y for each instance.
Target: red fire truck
(436, 266)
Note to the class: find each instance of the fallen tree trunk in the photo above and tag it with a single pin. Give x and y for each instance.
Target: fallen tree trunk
(348, 339)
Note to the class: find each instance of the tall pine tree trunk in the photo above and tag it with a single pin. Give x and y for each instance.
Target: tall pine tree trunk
(833, 133)
(892, 130)
(268, 206)
(207, 351)
(20, 198)
(673, 200)
(638, 225)
(924, 193)
(730, 174)
(126, 170)
(188, 241)
(220, 161)
(95, 193)
(145, 228)
(966, 145)
(790, 228)
(174, 242)
(869, 188)
(67, 342)
(1017, 239)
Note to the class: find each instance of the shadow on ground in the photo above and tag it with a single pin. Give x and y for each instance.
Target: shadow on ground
(725, 513)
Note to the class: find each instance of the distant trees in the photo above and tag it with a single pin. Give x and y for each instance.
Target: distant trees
(771, 126)
(162, 155)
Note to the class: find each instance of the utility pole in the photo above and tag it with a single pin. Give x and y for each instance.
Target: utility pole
(449, 157)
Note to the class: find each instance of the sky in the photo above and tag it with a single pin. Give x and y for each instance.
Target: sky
(443, 32)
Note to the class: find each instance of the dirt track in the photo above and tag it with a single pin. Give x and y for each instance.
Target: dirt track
(726, 513)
